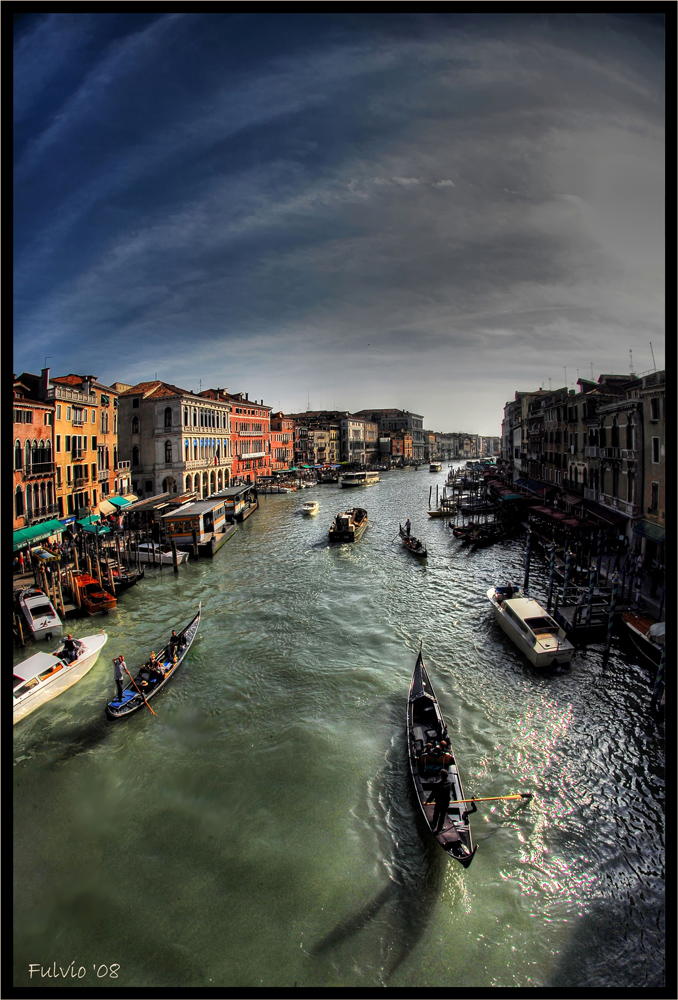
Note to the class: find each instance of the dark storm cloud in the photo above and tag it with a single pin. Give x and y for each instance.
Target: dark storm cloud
(280, 194)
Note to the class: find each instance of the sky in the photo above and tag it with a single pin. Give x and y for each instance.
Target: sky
(429, 211)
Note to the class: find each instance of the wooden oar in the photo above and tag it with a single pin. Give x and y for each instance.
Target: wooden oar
(140, 692)
(494, 798)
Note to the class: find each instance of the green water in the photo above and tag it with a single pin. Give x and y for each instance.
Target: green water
(261, 830)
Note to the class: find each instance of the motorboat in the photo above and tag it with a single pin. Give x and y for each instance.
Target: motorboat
(530, 627)
(44, 676)
(647, 635)
(349, 525)
(310, 507)
(435, 467)
(91, 596)
(158, 552)
(36, 607)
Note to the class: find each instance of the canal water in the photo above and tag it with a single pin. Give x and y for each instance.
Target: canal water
(260, 830)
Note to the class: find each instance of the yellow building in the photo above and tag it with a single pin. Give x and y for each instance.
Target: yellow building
(85, 442)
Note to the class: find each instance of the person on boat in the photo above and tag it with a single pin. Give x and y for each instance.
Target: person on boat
(71, 648)
(407, 527)
(176, 641)
(119, 667)
(442, 758)
(154, 666)
(440, 794)
(424, 760)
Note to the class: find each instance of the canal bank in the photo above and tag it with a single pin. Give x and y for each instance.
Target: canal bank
(260, 831)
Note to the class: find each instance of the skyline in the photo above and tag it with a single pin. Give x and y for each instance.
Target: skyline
(340, 211)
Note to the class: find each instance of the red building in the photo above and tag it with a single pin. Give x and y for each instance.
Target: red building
(282, 441)
(34, 476)
(250, 434)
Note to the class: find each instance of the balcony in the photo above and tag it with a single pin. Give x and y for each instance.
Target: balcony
(624, 506)
(629, 454)
(591, 451)
(71, 395)
(123, 466)
(38, 469)
(41, 514)
(590, 494)
(103, 475)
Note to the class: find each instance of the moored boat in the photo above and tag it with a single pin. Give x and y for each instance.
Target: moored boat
(426, 725)
(145, 683)
(530, 627)
(38, 610)
(44, 676)
(155, 553)
(310, 507)
(349, 525)
(647, 635)
(92, 598)
(412, 544)
(122, 579)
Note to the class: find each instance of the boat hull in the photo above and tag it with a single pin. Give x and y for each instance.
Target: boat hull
(425, 722)
(44, 626)
(63, 680)
(351, 531)
(548, 650)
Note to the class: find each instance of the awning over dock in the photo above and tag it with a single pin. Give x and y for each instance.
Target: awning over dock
(36, 533)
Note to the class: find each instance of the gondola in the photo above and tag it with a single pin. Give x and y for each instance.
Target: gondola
(146, 684)
(123, 579)
(412, 544)
(425, 723)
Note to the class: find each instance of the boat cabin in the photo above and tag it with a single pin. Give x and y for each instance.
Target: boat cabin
(196, 522)
(359, 478)
(239, 501)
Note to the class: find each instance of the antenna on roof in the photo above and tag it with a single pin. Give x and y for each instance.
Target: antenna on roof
(631, 361)
(592, 371)
(654, 363)
(565, 370)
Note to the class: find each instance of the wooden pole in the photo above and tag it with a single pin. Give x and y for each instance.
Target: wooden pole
(175, 562)
(61, 597)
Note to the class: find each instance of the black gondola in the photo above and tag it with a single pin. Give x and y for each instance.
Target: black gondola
(123, 579)
(412, 544)
(147, 683)
(425, 723)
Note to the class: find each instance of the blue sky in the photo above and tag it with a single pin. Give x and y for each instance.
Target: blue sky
(429, 211)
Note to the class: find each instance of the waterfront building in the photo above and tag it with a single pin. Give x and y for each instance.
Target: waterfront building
(175, 440)
(650, 527)
(316, 437)
(391, 419)
(85, 436)
(282, 442)
(397, 447)
(250, 435)
(34, 467)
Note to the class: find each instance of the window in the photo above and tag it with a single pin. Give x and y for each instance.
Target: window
(58, 411)
(654, 496)
(18, 502)
(655, 450)
(135, 403)
(168, 416)
(148, 486)
(135, 456)
(58, 442)
(18, 454)
(654, 408)
(168, 452)
(68, 413)
(58, 475)
(135, 425)
(94, 417)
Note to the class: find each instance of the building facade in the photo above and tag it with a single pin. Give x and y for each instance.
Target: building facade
(176, 441)
(34, 467)
(282, 442)
(250, 434)
(399, 420)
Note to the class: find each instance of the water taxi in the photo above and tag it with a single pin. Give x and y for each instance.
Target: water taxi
(310, 507)
(530, 627)
(349, 525)
(359, 478)
(43, 676)
(157, 552)
(240, 501)
(38, 610)
(435, 467)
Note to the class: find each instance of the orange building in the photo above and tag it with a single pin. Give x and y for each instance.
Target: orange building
(282, 442)
(250, 434)
(34, 475)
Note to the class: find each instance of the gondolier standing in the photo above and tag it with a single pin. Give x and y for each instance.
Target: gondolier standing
(119, 674)
(441, 794)
(407, 527)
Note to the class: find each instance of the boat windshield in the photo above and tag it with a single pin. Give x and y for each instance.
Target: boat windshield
(541, 625)
(41, 611)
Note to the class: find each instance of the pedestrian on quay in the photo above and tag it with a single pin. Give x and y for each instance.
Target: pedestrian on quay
(656, 575)
(21, 562)
(119, 668)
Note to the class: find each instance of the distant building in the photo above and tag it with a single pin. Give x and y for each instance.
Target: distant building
(399, 420)
(250, 434)
(282, 442)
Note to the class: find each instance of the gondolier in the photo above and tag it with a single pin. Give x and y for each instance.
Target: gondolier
(119, 674)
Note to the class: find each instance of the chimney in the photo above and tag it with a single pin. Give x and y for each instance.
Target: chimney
(247, 396)
(44, 383)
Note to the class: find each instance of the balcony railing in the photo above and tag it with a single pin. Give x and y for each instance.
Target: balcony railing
(38, 469)
(103, 475)
(72, 395)
(591, 451)
(40, 514)
(630, 509)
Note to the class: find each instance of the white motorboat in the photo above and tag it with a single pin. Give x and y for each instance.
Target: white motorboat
(435, 467)
(530, 627)
(310, 507)
(38, 610)
(44, 676)
(158, 552)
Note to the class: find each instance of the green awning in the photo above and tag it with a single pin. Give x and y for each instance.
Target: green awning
(95, 529)
(36, 533)
(118, 501)
(92, 519)
(652, 531)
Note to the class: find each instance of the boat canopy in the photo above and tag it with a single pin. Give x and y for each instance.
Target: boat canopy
(35, 665)
(657, 633)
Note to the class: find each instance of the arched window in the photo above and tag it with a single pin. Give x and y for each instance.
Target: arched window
(187, 451)
(196, 483)
(27, 456)
(168, 450)
(135, 424)
(50, 494)
(195, 416)
(188, 482)
(615, 434)
(19, 502)
(185, 416)
(168, 416)
(195, 450)
(43, 495)
(135, 456)
(29, 501)
(18, 456)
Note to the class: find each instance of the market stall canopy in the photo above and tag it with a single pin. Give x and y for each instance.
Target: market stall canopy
(105, 507)
(92, 519)
(95, 529)
(36, 533)
(121, 501)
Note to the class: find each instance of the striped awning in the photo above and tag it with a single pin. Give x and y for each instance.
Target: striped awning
(36, 533)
